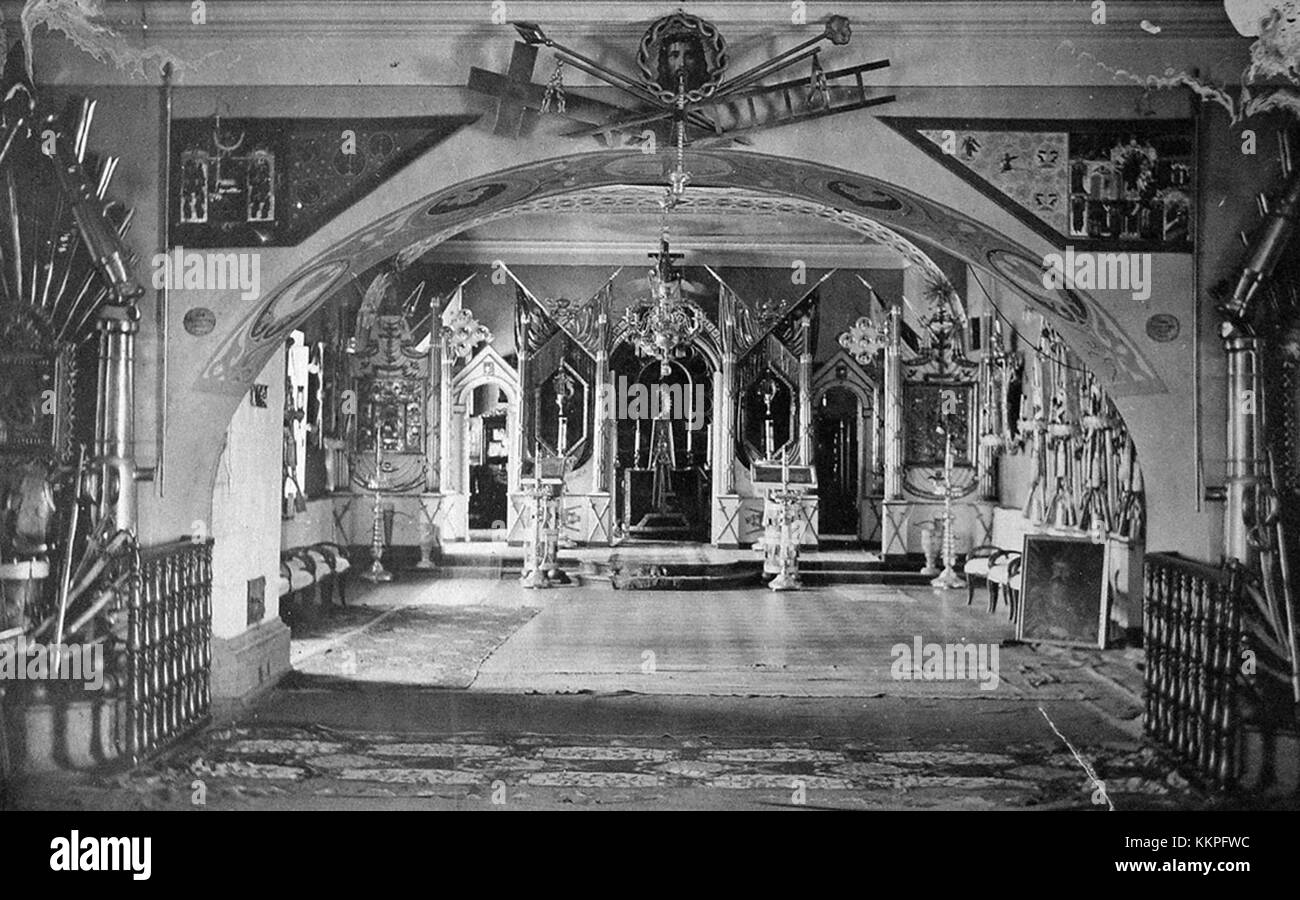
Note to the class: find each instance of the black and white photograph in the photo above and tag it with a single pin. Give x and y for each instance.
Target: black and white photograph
(417, 406)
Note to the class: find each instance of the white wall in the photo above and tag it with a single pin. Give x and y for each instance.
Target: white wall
(245, 500)
(313, 525)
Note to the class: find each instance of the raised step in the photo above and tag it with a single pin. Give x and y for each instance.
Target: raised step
(658, 565)
(821, 578)
(648, 575)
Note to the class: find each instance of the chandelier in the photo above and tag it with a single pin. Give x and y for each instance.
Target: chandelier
(665, 326)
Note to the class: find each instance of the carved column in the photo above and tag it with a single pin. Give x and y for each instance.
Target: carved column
(455, 442)
(988, 452)
(114, 438)
(1245, 467)
(602, 471)
(724, 409)
(894, 407)
(523, 340)
(437, 378)
(448, 467)
(805, 395)
(877, 453)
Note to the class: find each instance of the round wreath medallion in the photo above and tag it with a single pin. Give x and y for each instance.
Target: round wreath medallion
(199, 321)
(1163, 328)
(682, 50)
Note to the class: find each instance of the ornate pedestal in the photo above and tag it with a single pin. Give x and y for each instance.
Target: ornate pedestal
(541, 567)
(784, 525)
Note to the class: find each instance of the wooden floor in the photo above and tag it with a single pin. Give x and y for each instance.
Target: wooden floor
(832, 641)
(826, 642)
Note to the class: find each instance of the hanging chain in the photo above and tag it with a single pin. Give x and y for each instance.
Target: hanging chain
(555, 90)
(679, 177)
(819, 91)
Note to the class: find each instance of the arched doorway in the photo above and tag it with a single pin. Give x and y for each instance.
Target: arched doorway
(838, 442)
(481, 429)
(847, 419)
(663, 465)
(891, 202)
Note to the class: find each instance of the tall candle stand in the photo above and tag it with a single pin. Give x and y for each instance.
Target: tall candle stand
(541, 568)
(948, 578)
(562, 539)
(788, 503)
(377, 573)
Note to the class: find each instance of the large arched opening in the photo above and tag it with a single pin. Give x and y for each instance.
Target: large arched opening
(984, 235)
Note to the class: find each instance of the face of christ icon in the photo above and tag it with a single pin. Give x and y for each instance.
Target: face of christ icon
(681, 54)
(682, 63)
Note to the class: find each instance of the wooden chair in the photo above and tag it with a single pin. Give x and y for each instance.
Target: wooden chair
(993, 562)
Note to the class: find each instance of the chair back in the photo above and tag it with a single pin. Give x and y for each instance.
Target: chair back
(1010, 527)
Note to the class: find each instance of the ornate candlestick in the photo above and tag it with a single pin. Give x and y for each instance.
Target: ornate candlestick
(948, 578)
(535, 569)
(541, 567)
(377, 573)
(789, 505)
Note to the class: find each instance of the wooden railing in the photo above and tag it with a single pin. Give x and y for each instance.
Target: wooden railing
(169, 656)
(1193, 647)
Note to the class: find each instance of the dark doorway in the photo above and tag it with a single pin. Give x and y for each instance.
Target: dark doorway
(836, 416)
(488, 446)
(662, 473)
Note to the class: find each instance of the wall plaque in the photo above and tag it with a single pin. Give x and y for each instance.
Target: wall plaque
(1163, 328)
(200, 321)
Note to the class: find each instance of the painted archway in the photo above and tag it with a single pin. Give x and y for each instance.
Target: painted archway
(463, 182)
(417, 228)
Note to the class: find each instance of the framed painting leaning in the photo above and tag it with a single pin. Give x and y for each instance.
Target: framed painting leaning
(1064, 591)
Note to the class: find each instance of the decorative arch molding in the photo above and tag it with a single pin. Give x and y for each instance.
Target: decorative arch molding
(487, 366)
(858, 200)
(858, 380)
(641, 199)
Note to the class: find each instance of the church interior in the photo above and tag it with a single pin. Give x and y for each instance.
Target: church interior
(376, 366)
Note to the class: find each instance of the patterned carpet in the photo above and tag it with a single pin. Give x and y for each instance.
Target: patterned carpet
(319, 762)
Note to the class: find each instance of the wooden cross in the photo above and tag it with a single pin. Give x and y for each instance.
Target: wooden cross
(516, 94)
(664, 258)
